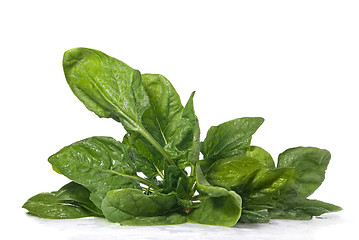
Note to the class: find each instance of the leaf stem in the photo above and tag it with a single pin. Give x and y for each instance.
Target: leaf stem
(137, 178)
(159, 148)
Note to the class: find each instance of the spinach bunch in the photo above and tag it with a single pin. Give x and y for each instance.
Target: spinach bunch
(154, 176)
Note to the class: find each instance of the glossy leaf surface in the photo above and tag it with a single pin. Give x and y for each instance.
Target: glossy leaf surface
(98, 163)
(106, 86)
(309, 164)
(132, 207)
(218, 206)
(228, 139)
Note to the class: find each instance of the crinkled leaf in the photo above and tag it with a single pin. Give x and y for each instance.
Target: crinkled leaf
(98, 163)
(132, 207)
(228, 139)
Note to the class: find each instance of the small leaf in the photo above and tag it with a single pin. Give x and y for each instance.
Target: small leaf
(261, 155)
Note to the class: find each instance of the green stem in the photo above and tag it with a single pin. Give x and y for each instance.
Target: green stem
(137, 178)
(148, 136)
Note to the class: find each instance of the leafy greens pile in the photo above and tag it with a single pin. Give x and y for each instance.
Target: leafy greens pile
(154, 176)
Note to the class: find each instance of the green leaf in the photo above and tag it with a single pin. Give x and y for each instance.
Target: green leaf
(254, 216)
(162, 117)
(132, 207)
(303, 209)
(106, 86)
(109, 88)
(309, 164)
(233, 171)
(174, 127)
(261, 155)
(218, 206)
(98, 163)
(167, 219)
(70, 201)
(228, 139)
(46, 205)
(74, 192)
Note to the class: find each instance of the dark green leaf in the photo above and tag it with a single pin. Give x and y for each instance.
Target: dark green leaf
(99, 163)
(228, 139)
(46, 205)
(70, 201)
(132, 207)
(74, 192)
(302, 209)
(254, 216)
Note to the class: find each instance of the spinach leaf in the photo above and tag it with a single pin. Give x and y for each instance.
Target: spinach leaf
(106, 86)
(70, 201)
(109, 88)
(261, 155)
(218, 206)
(228, 139)
(233, 171)
(76, 193)
(100, 164)
(132, 207)
(309, 164)
(302, 209)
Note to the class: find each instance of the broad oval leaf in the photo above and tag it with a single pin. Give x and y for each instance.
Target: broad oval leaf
(233, 172)
(106, 86)
(162, 117)
(132, 207)
(98, 163)
(228, 139)
(309, 165)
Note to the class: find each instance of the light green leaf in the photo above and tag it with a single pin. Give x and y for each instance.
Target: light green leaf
(261, 155)
(106, 86)
(218, 206)
(228, 139)
(309, 165)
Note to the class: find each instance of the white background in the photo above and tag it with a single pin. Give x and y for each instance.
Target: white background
(295, 63)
